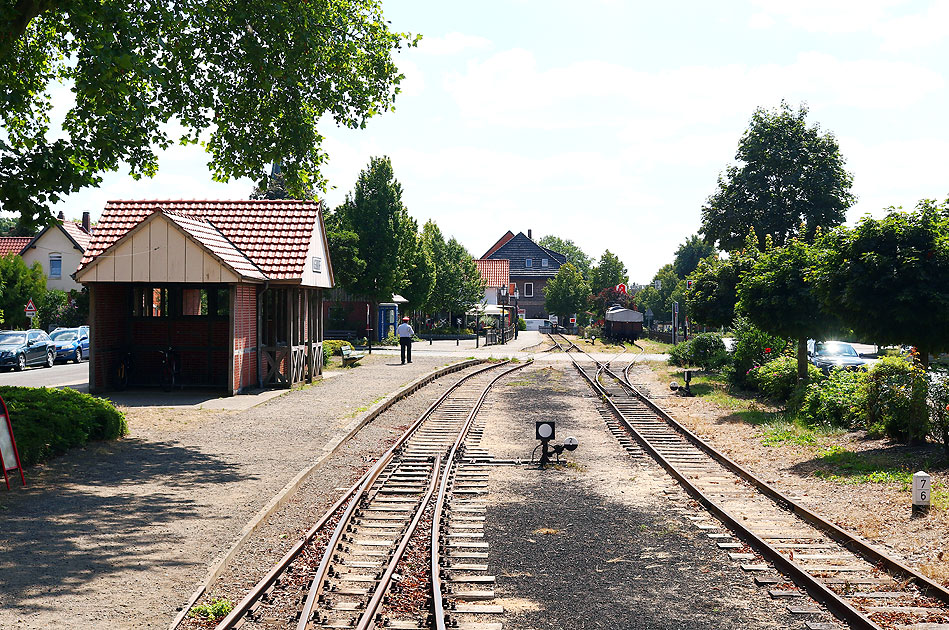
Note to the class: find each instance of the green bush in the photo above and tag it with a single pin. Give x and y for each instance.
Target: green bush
(681, 355)
(895, 400)
(521, 324)
(753, 347)
(708, 351)
(939, 410)
(777, 379)
(48, 422)
(332, 347)
(837, 401)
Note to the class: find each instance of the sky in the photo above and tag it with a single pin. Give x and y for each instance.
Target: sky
(608, 122)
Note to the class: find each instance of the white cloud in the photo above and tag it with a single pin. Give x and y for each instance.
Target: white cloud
(452, 44)
(900, 25)
(760, 21)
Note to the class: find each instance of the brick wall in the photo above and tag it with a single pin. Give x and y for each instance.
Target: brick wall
(245, 336)
(110, 308)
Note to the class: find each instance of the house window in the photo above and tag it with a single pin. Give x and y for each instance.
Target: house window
(55, 265)
(529, 262)
(528, 289)
(543, 262)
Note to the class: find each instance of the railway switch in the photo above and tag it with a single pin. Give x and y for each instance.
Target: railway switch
(545, 431)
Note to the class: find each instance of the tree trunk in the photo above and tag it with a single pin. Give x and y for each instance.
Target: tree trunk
(802, 359)
(923, 356)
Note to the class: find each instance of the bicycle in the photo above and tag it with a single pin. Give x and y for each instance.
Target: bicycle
(122, 371)
(170, 369)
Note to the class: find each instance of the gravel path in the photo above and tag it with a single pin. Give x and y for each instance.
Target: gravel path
(596, 543)
(119, 534)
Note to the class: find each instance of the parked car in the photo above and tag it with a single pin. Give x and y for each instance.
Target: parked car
(836, 355)
(72, 344)
(21, 348)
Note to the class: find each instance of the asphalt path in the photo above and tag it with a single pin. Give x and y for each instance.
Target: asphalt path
(60, 375)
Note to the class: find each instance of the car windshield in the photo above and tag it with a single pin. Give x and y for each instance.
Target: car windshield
(835, 350)
(64, 335)
(12, 339)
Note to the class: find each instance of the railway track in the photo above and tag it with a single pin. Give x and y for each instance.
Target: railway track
(358, 567)
(860, 584)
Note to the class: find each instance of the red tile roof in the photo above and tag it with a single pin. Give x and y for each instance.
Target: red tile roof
(13, 244)
(273, 235)
(495, 273)
(205, 233)
(75, 231)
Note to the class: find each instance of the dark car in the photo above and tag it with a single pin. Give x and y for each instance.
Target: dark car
(837, 355)
(72, 344)
(20, 348)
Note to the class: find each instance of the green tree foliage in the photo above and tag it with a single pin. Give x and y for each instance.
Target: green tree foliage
(250, 81)
(789, 182)
(575, 255)
(753, 347)
(608, 272)
(10, 226)
(778, 298)
(458, 283)
(374, 212)
(567, 292)
(418, 280)
(348, 267)
(660, 300)
(690, 253)
(20, 283)
(59, 308)
(886, 278)
(714, 294)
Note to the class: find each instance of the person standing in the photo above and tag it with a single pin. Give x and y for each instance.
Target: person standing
(405, 334)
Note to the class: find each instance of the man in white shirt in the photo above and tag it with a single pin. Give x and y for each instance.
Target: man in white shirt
(405, 333)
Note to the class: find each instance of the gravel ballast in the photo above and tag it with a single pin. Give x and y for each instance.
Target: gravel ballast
(119, 534)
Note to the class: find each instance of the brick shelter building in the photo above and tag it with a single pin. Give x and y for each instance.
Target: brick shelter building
(234, 288)
(530, 267)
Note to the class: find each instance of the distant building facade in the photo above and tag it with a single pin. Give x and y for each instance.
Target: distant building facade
(530, 267)
(59, 249)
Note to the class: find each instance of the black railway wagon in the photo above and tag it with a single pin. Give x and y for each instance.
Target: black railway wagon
(623, 323)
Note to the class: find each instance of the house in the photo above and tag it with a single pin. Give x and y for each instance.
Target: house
(496, 275)
(234, 288)
(59, 248)
(531, 266)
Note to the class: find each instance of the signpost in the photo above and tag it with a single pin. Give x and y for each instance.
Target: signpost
(922, 499)
(30, 309)
(9, 456)
(621, 288)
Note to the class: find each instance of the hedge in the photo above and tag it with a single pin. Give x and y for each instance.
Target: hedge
(48, 422)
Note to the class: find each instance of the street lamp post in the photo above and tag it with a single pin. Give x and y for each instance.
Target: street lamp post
(517, 315)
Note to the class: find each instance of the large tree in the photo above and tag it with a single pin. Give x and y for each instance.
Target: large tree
(714, 294)
(567, 292)
(374, 212)
(575, 256)
(458, 283)
(789, 182)
(249, 81)
(886, 278)
(20, 283)
(693, 250)
(418, 279)
(608, 272)
(779, 298)
(671, 289)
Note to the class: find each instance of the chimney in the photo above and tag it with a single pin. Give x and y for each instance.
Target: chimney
(529, 233)
(61, 217)
(86, 222)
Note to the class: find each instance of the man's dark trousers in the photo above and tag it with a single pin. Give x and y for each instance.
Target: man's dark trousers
(406, 343)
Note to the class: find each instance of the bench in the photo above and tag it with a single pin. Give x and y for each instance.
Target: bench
(350, 356)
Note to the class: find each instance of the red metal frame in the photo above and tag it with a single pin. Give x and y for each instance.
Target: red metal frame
(16, 453)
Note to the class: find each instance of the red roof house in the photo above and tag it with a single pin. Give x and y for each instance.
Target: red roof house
(233, 288)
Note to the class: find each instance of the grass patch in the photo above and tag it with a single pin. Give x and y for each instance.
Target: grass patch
(651, 346)
(522, 383)
(777, 433)
(217, 609)
(843, 466)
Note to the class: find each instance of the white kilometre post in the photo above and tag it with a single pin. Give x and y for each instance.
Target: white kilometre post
(922, 493)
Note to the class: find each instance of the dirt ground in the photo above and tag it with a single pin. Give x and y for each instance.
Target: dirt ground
(879, 512)
(602, 541)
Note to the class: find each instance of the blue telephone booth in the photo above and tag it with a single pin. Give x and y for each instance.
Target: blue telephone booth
(388, 320)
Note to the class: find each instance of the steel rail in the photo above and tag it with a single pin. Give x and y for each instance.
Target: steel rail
(849, 541)
(369, 479)
(815, 588)
(438, 600)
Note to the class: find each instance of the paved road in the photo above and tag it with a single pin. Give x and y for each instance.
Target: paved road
(60, 375)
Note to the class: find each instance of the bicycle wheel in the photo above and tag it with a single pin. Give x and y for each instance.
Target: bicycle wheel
(167, 377)
(122, 375)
